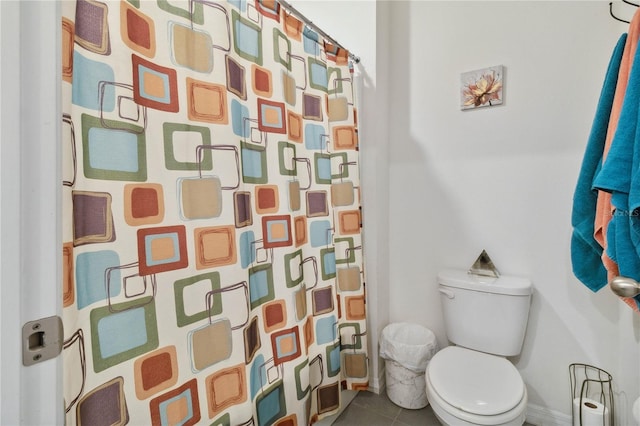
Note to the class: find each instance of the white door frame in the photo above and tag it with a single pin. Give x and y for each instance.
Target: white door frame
(30, 188)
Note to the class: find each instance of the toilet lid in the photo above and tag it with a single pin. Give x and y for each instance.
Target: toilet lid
(475, 382)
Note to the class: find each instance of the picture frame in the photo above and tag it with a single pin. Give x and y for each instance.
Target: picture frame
(482, 88)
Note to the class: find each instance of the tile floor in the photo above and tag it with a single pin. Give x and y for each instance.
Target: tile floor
(369, 409)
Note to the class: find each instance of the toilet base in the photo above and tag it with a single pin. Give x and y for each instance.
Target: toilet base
(446, 419)
(451, 416)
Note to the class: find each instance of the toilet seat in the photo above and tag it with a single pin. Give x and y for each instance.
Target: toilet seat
(475, 387)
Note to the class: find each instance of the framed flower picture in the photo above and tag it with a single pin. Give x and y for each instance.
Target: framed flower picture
(482, 88)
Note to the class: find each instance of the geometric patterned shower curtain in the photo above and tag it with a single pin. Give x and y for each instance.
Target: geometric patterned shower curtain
(213, 268)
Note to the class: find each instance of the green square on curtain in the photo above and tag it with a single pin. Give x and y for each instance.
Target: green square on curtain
(180, 143)
(186, 289)
(293, 268)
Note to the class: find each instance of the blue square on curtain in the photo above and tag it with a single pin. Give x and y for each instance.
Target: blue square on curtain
(87, 75)
(310, 42)
(257, 375)
(320, 233)
(326, 330)
(247, 249)
(122, 331)
(240, 4)
(271, 405)
(113, 150)
(315, 137)
(318, 77)
(254, 163)
(261, 285)
(328, 262)
(240, 119)
(247, 38)
(323, 168)
(90, 276)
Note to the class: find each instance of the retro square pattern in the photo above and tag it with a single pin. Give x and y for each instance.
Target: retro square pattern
(143, 204)
(271, 116)
(277, 231)
(162, 249)
(207, 102)
(208, 147)
(137, 30)
(261, 81)
(215, 246)
(113, 150)
(92, 26)
(225, 388)
(267, 199)
(105, 403)
(92, 218)
(156, 371)
(155, 86)
(199, 54)
(178, 406)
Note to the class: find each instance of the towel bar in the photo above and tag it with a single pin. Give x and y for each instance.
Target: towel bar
(624, 286)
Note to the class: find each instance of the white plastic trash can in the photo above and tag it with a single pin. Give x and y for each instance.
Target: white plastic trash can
(407, 349)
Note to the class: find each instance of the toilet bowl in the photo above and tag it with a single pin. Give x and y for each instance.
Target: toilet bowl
(467, 387)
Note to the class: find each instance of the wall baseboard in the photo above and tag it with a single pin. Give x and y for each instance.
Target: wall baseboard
(541, 416)
(376, 384)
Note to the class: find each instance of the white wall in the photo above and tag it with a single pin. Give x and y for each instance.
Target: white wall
(502, 178)
(499, 179)
(30, 255)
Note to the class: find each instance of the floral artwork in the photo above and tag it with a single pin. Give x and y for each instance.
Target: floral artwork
(482, 88)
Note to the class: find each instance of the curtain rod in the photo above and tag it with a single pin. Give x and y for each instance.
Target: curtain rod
(308, 22)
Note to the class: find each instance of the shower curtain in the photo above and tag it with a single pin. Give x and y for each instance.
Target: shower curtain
(212, 256)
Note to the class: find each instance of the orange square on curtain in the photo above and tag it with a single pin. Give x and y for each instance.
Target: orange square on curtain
(300, 230)
(349, 222)
(269, 8)
(261, 81)
(290, 420)
(292, 26)
(162, 249)
(225, 388)
(267, 199)
(275, 315)
(276, 231)
(207, 102)
(67, 50)
(271, 116)
(355, 307)
(155, 372)
(155, 86)
(295, 127)
(307, 331)
(215, 246)
(345, 137)
(143, 204)
(137, 30)
(68, 292)
(177, 406)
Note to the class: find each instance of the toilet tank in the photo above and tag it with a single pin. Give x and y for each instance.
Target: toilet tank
(484, 313)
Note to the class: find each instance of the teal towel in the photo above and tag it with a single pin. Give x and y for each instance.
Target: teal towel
(585, 251)
(616, 175)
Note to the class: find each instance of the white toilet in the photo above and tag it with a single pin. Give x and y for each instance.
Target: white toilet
(472, 383)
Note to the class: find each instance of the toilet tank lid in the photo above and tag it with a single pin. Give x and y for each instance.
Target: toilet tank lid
(504, 284)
